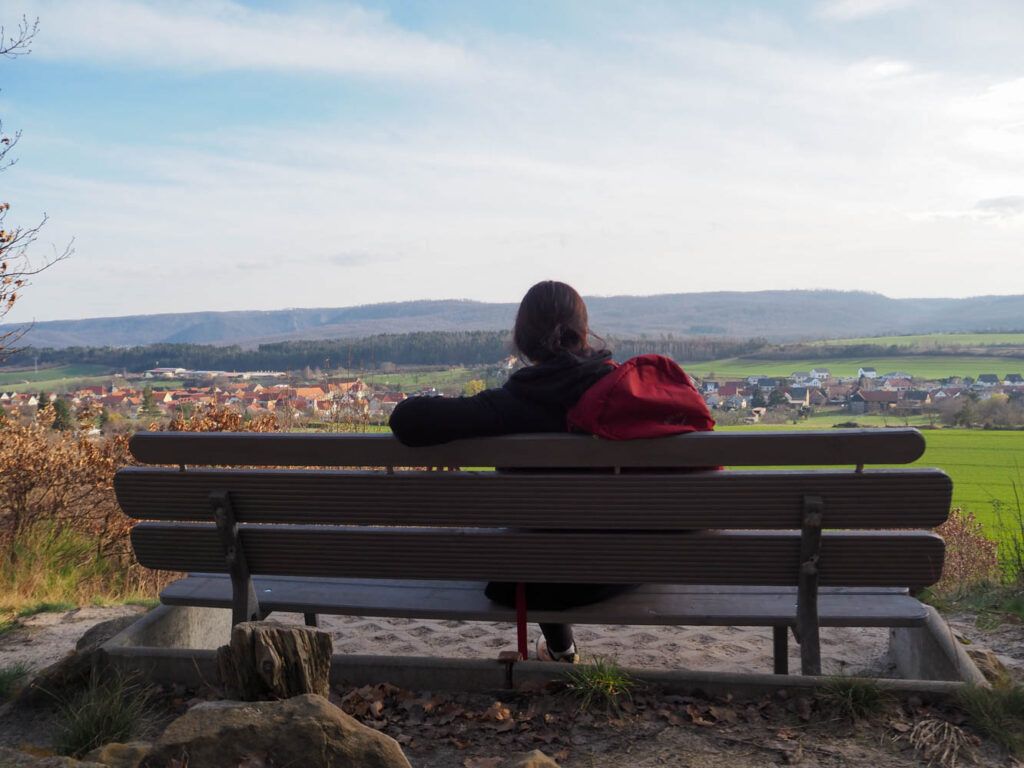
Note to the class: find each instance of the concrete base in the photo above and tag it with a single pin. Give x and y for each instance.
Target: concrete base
(178, 645)
(931, 652)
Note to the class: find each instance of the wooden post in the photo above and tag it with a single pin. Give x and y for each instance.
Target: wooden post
(268, 660)
(245, 606)
(807, 589)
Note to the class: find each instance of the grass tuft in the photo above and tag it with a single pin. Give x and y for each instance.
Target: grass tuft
(998, 712)
(855, 698)
(115, 709)
(44, 607)
(11, 679)
(600, 683)
(7, 623)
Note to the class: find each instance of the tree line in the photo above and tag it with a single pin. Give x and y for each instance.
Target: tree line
(371, 352)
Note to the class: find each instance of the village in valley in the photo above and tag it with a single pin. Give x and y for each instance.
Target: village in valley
(310, 400)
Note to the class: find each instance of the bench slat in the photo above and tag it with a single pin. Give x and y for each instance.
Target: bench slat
(806, 447)
(902, 558)
(769, 499)
(650, 604)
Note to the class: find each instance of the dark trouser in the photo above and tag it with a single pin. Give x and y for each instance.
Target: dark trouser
(555, 597)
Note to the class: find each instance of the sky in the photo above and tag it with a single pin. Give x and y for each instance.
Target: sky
(223, 155)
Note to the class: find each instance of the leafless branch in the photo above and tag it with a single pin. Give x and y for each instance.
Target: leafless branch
(17, 43)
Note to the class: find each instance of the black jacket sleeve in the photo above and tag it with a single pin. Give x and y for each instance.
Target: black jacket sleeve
(431, 420)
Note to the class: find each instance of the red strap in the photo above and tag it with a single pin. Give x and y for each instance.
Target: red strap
(524, 650)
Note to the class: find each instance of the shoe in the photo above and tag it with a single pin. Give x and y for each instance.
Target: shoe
(543, 653)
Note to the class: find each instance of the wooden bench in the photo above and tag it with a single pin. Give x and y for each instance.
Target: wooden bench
(789, 549)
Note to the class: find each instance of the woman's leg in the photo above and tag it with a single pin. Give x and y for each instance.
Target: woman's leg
(558, 637)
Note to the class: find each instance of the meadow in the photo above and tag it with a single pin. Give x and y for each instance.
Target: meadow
(987, 466)
(918, 366)
(934, 340)
(409, 381)
(53, 379)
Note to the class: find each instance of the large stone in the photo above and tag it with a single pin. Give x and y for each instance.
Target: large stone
(305, 730)
(117, 755)
(73, 671)
(12, 758)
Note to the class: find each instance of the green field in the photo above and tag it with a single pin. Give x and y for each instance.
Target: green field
(919, 366)
(935, 340)
(54, 379)
(987, 467)
(408, 381)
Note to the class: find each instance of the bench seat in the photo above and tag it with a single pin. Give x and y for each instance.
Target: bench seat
(666, 604)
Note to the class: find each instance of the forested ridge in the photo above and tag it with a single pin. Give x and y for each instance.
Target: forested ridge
(419, 348)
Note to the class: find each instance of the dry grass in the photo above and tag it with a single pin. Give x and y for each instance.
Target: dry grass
(51, 568)
(941, 743)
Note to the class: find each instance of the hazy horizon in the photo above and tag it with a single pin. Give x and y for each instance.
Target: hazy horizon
(516, 302)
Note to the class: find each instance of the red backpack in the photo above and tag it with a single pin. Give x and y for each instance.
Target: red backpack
(646, 396)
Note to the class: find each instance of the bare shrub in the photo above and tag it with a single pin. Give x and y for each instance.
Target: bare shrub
(62, 534)
(60, 478)
(971, 557)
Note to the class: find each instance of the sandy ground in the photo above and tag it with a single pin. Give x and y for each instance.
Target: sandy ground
(737, 649)
(44, 638)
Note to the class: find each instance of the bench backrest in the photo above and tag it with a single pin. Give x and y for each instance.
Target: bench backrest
(645, 521)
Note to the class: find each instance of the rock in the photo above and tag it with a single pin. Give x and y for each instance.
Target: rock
(11, 758)
(117, 755)
(534, 759)
(97, 635)
(73, 671)
(989, 665)
(270, 660)
(305, 730)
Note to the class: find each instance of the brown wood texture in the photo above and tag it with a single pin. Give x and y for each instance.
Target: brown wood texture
(658, 604)
(805, 447)
(903, 498)
(901, 558)
(266, 660)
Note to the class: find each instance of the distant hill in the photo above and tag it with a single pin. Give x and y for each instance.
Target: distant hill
(774, 315)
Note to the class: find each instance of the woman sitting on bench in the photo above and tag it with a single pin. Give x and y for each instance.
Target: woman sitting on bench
(551, 331)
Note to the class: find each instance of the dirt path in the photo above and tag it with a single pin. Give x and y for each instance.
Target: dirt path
(44, 638)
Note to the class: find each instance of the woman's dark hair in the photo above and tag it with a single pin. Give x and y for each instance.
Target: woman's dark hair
(552, 319)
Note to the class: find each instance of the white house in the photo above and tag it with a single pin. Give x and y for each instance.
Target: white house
(867, 373)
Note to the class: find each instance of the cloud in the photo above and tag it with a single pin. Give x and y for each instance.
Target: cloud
(853, 10)
(1000, 207)
(226, 36)
(996, 209)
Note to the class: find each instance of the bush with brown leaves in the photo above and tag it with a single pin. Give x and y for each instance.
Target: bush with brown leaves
(219, 418)
(971, 557)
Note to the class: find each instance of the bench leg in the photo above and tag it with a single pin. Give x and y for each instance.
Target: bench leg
(780, 649)
(807, 589)
(312, 619)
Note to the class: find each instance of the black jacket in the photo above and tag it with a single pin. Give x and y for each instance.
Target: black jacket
(534, 399)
